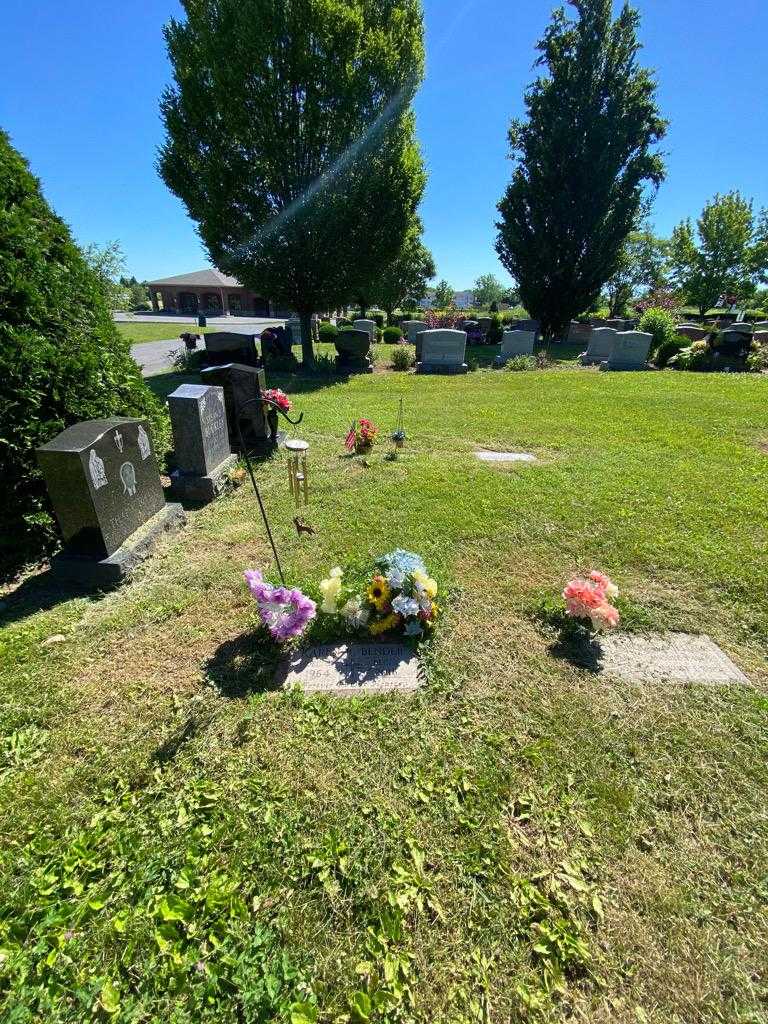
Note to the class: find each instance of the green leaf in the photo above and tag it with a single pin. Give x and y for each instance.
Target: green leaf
(303, 1013)
(174, 908)
(360, 1007)
(110, 997)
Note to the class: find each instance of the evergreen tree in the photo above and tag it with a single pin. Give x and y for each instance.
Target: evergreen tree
(584, 155)
(62, 359)
(291, 141)
(444, 295)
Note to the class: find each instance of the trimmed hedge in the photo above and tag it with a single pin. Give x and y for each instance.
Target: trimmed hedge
(62, 359)
(328, 331)
(392, 335)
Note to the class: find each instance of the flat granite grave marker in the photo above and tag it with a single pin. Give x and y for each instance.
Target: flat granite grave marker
(347, 670)
(485, 456)
(670, 658)
(201, 442)
(105, 488)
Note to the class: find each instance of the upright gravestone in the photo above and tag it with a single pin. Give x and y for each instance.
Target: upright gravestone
(243, 387)
(230, 347)
(366, 325)
(579, 333)
(413, 328)
(442, 351)
(692, 332)
(515, 343)
(105, 488)
(629, 351)
(616, 324)
(527, 325)
(201, 442)
(353, 351)
(600, 345)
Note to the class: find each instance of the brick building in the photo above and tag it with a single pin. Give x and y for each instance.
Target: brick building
(209, 292)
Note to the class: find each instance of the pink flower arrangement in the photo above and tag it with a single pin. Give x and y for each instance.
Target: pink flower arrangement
(279, 398)
(591, 599)
(284, 612)
(361, 436)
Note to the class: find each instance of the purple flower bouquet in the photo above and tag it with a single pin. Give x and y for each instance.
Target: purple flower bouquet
(285, 612)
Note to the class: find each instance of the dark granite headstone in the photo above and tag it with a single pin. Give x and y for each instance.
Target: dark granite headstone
(201, 442)
(353, 351)
(105, 488)
(223, 347)
(242, 384)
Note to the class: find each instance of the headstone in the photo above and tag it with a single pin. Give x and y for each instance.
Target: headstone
(354, 669)
(485, 456)
(484, 323)
(527, 325)
(692, 332)
(616, 324)
(740, 328)
(412, 328)
(229, 347)
(243, 385)
(669, 658)
(353, 351)
(442, 351)
(515, 343)
(579, 333)
(366, 325)
(104, 484)
(201, 442)
(600, 346)
(629, 351)
(293, 327)
(733, 343)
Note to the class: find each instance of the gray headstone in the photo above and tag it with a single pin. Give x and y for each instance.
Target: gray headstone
(350, 670)
(230, 347)
(366, 325)
(692, 332)
(516, 343)
(199, 423)
(103, 482)
(673, 658)
(527, 325)
(442, 351)
(579, 333)
(600, 345)
(412, 328)
(629, 351)
(353, 350)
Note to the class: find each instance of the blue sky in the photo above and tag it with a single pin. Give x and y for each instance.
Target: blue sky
(80, 81)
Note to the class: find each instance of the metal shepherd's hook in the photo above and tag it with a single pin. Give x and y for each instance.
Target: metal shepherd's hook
(246, 456)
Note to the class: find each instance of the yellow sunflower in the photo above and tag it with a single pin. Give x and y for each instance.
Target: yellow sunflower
(379, 593)
(384, 625)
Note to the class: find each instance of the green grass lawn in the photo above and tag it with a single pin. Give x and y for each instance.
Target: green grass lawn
(137, 333)
(521, 840)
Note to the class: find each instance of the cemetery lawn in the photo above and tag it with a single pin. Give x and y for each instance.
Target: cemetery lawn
(136, 333)
(521, 840)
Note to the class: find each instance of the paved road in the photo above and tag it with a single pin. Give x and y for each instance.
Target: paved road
(157, 356)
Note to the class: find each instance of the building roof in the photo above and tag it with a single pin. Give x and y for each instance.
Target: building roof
(200, 279)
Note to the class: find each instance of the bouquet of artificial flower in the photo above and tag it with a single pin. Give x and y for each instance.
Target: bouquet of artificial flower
(399, 598)
(590, 600)
(281, 400)
(285, 612)
(361, 436)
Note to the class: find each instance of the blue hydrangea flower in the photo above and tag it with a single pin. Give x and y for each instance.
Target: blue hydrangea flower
(403, 561)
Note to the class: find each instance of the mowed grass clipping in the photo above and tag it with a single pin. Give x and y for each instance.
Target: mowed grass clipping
(521, 840)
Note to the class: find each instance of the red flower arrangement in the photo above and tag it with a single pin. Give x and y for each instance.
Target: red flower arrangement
(361, 436)
(281, 400)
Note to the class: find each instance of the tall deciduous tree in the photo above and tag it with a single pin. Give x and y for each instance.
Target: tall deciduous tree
(488, 289)
(444, 294)
(584, 155)
(643, 266)
(727, 255)
(405, 279)
(291, 141)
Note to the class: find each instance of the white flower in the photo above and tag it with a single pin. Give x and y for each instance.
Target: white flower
(396, 578)
(405, 606)
(355, 614)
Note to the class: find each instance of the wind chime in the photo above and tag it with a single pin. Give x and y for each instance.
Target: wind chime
(298, 480)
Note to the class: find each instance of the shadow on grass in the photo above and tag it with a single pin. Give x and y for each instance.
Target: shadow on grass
(41, 593)
(579, 651)
(244, 665)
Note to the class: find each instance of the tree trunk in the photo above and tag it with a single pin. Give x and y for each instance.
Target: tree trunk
(307, 350)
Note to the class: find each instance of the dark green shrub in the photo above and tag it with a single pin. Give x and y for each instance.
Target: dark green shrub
(62, 359)
(328, 331)
(660, 324)
(379, 319)
(495, 331)
(343, 322)
(403, 356)
(392, 335)
(670, 348)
